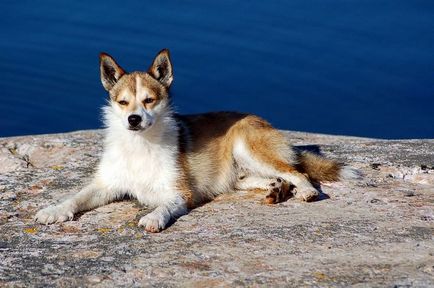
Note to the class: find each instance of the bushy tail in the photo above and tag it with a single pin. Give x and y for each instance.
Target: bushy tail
(321, 169)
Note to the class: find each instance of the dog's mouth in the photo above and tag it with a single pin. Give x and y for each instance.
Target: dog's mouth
(135, 128)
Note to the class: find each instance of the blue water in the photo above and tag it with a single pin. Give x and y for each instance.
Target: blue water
(353, 67)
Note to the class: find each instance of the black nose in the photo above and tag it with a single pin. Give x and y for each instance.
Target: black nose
(134, 120)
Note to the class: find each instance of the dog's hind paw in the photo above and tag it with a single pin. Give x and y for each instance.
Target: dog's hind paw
(279, 191)
(306, 194)
(52, 214)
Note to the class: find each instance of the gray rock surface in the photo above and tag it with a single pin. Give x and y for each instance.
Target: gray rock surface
(372, 232)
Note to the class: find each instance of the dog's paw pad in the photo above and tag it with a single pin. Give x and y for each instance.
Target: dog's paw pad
(306, 194)
(279, 190)
(54, 214)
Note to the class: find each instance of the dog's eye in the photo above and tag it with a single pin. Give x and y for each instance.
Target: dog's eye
(123, 103)
(148, 100)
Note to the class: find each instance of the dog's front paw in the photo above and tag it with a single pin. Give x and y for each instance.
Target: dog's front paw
(153, 222)
(306, 194)
(51, 214)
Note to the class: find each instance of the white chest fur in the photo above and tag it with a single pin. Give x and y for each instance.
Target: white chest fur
(143, 169)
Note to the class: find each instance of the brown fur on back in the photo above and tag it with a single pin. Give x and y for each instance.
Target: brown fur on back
(206, 152)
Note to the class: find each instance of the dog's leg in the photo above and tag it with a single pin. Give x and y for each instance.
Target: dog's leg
(287, 183)
(158, 219)
(279, 190)
(266, 152)
(92, 196)
(280, 167)
(253, 182)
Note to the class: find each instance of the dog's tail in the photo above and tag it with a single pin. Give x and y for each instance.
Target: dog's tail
(320, 169)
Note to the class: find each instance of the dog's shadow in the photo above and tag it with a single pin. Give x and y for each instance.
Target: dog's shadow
(308, 148)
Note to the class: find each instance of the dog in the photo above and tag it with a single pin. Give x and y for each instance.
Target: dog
(176, 162)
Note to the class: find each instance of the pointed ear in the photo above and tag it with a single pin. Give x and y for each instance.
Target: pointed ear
(161, 69)
(110, 71)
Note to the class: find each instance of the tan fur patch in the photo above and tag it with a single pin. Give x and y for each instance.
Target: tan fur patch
(134, 86)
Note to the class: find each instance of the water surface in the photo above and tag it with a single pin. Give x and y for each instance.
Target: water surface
(353, 67)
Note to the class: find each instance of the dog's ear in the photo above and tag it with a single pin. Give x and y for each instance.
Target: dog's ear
(161, 69)
(110, 71)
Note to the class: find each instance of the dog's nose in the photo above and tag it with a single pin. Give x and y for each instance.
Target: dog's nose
(134, 120)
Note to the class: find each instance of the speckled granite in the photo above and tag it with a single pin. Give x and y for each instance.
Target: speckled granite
(373, 232)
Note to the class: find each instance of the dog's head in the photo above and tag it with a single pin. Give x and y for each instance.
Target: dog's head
(138, 97)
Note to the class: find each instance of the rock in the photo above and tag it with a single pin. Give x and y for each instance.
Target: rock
(372, 232)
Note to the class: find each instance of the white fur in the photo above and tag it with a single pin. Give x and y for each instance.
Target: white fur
(248, 163)
(142, 164)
